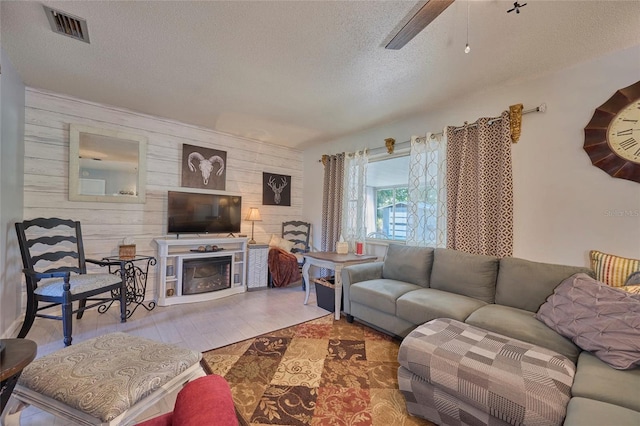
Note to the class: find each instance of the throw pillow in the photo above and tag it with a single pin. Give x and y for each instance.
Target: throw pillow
(285, 245)
(598, 318)
(612, 270)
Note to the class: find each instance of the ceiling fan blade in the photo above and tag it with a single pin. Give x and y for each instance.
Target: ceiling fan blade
(418, 22)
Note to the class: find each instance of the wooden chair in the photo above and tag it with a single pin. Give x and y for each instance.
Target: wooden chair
(298, 232)
(56, 273)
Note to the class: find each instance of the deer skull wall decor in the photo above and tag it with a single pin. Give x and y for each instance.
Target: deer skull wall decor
(276, 190)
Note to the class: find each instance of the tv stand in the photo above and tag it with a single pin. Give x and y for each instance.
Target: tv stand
(171, 253)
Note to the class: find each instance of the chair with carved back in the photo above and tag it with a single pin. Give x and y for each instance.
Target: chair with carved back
(56, 273)
(298, 232)
(286, 253)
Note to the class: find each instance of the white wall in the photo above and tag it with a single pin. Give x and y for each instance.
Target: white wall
(11, 179)
(104, 225)
(564, 206)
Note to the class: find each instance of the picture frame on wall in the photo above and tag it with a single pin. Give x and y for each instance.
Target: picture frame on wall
(276, 189)
(204, 168)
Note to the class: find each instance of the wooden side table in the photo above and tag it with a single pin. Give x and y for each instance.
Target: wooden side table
(334, 261)
(17, 354)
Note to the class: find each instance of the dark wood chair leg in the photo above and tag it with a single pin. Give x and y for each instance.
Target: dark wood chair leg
(29, 316)
(123, 304)
(349, 318)
(67, 319)
(81, 305)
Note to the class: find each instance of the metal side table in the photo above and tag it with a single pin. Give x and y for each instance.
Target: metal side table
(134, 271)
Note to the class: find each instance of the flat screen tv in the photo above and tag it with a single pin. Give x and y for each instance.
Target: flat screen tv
(197, 213)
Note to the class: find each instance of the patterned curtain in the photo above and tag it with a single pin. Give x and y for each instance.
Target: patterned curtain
(354, 212)
(480, 188)
(332, 198)
(427, 203)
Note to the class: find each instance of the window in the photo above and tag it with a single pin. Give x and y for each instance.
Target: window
(387, 194)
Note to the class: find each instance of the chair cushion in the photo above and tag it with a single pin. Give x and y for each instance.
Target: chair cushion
(79, 284)
(107, 375)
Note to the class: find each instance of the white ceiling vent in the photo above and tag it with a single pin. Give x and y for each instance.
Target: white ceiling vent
(69, 25)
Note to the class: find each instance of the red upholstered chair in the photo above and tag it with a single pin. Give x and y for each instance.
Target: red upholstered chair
(203, 401)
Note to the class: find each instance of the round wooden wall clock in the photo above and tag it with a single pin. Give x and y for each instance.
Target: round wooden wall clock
(612, 137)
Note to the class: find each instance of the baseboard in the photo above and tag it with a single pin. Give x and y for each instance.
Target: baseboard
(13, 329)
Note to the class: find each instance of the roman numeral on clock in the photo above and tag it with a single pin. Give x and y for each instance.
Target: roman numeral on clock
(625, 132)
(628, 143)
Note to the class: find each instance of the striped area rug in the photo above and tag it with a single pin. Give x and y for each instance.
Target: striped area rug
(322, 372)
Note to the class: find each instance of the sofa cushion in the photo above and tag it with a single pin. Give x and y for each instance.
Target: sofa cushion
(463, 273)
(596, 380)
(588, 412)
(522, 325)
(407, 263)
(596, 317)
(380, 294)
(526, 285)
(420, 306)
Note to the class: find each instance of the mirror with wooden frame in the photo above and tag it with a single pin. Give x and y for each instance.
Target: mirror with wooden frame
(106, 165)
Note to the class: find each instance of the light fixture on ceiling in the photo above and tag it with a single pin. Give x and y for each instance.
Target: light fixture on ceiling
(516, 7)
(467, 49)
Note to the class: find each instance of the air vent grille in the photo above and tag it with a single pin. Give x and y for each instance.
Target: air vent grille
(69, 25)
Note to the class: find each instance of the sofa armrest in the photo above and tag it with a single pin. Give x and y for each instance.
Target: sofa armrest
(355, 274)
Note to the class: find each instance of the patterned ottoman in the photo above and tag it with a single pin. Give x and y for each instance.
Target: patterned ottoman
(108, 380)
(452, 373)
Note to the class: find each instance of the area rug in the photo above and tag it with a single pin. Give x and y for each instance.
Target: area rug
(321, 372)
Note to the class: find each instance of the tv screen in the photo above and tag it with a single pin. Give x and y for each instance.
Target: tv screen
(194, 213)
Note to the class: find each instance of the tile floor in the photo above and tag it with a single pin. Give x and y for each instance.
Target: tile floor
(201, 326)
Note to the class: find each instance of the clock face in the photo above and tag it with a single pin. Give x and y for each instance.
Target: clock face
(612, 137)
(623, 134)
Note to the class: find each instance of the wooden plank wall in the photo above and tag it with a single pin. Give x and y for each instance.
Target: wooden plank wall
(104, 225)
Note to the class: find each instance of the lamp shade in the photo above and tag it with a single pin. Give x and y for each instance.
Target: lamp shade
(253, 214)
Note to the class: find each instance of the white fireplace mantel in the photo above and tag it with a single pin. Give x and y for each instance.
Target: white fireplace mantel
(171, 252)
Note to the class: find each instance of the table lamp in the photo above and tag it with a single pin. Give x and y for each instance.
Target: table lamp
(253, 216)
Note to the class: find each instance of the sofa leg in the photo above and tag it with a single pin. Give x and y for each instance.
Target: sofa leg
(349, 319)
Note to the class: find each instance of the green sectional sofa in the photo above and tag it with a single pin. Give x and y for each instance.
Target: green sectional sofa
(414, 285)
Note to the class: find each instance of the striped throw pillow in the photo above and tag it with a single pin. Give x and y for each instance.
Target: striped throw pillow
(612, 270)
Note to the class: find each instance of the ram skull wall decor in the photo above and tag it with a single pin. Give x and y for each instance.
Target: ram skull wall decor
(203, 168)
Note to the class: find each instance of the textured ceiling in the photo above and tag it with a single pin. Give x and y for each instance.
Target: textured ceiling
(298, 73)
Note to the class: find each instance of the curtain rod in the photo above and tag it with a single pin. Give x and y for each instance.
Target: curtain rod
(541, 108)
(391, 145)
